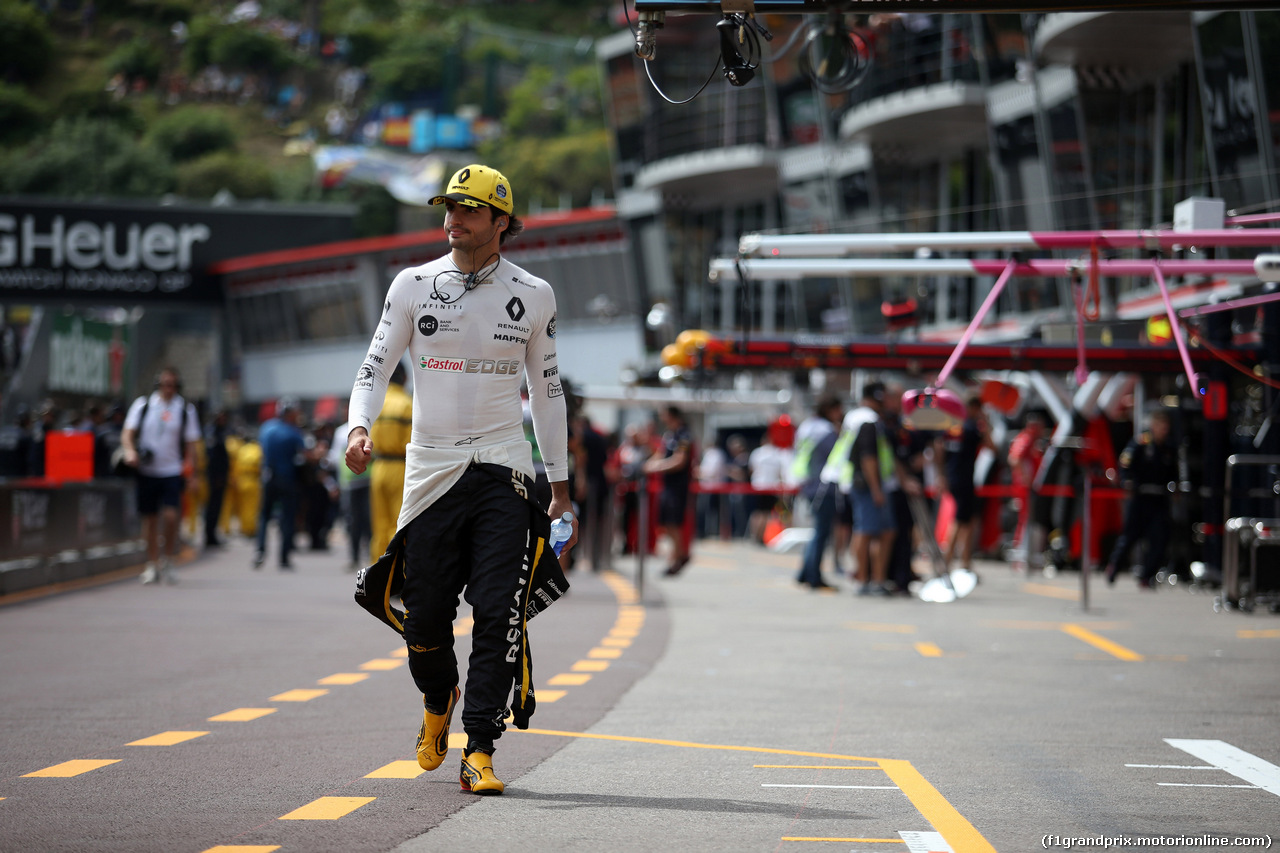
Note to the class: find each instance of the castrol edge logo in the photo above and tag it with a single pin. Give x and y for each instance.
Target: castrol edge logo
(496, 367)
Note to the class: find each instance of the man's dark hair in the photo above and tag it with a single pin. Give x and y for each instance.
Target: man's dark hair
(873, 391)
(514, 224)
(826, 403)
(398, 374)
(674, 411)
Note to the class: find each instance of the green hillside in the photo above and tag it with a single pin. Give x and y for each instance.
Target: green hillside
(173, 98)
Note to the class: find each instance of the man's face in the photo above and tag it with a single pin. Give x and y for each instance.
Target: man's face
(470, 228)
(168, 385)
(1159, 428)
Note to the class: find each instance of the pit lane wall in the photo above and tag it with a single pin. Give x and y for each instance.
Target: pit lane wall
(52, 532)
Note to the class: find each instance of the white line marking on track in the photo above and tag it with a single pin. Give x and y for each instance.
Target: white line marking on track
(1176, 766)
(1243, 765)
(857, 787)
(925, 842)
(1204, 785)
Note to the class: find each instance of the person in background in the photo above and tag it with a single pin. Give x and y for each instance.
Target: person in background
(962, 449)
(353, 497)
(245, 484)
(770, 465)
(908, 448)
(217, 468)
(284, 448)
(815, 438)
(390, 433)
(676, 468)
(632, 453)
(15, 446)
(712, 472)
(862, 463)
(106, 440)
(159, 438)
(1025, 454)
(1149, 472)
(738, 471)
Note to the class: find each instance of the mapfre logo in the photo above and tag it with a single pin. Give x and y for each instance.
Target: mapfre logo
(442, 365)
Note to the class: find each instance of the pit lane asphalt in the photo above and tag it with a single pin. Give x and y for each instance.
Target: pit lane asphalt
(744, 714)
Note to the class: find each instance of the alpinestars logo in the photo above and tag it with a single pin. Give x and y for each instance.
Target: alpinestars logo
(551, 327)
(515, 309)
(366, 372)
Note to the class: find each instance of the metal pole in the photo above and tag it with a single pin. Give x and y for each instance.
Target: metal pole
(642, 530)
(1086, 544)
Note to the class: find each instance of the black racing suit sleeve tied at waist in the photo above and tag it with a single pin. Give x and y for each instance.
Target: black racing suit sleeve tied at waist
(378, 584)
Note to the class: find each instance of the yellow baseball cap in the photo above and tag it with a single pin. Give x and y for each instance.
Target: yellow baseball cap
(476, 186)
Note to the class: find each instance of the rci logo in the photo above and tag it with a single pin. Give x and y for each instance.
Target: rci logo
(515, 309)
(428, 325)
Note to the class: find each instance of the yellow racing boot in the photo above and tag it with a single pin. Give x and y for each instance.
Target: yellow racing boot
(433, 737)
(477, 774)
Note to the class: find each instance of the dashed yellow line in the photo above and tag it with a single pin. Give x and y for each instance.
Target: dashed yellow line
(328, 808)
(244, 848)
(382, 664)
(67, 769)
(550, 695)
(568, 679)
(845, 840)
(1051, 591)
(929, 650)
(345, 677)
(298, 695)
(1253, 634)
(590, 666)
(397, 770)
(1100, 642)
(599, 652)
(242, 715)
(167, 739)
(819, 766)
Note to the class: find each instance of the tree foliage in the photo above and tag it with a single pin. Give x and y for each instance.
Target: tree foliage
(26, 45)
(243, 177)
(83, 157)
(21, 115)
(139, 59)
(191, 132)
(574, 167)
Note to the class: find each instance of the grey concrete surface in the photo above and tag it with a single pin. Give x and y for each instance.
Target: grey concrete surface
(992, 721)
(1023, 728)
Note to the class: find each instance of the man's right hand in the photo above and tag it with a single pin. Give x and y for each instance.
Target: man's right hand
(359, 450)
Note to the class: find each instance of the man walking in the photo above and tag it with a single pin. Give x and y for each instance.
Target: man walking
(474, 324)
(159, 439)
(283, 450)
(815, 438)
(1149, 472)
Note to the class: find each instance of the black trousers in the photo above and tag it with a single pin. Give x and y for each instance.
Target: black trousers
(474, 540)
(1147, 518)
(213, 508)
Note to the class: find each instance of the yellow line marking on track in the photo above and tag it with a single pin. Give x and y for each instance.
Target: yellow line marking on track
(817, 766)
(298, 695)
(1100, 642)
(328, 808)
(617, 642)
(397, 770)
(882, 627)
(590, 666)
(67, 769)
(242, 715)
(845, 840)
(402, 652)
(243, 848)
(957, 831)
(569, 679)
(167, 739)
(1251, 634)
(599, 652)
(1051, 591)
(550, 695)
(344, 678)
(457, 740)
(929, 650)
(382, 664)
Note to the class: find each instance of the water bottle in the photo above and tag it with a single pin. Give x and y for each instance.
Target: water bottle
(561, 532)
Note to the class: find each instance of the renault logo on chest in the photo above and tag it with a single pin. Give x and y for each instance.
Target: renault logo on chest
(515, 309)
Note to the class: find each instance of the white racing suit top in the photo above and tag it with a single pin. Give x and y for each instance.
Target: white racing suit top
(469, 350)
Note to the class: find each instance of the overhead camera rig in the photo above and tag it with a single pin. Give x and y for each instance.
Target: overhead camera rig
(834, 56)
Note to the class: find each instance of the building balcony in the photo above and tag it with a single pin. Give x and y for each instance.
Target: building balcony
(720, 176)
(929, 120)
(1107, 40)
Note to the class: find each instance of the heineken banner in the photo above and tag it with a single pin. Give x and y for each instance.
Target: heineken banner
(88, 357)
